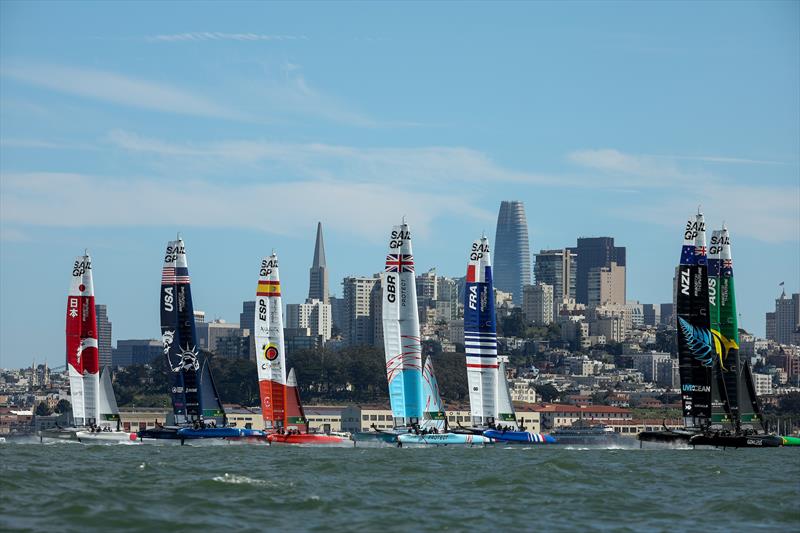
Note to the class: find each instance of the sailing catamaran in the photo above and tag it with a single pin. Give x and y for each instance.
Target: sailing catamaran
(492, 411)
(196, 406)
(284, 419)
(741, 423)
(94, 408)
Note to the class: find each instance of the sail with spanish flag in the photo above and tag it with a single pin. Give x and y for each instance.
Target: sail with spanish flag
(270, 356)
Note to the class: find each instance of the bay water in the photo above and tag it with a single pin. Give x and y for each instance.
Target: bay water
(75, 487)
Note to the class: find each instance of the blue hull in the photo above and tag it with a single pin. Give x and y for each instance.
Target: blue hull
(444, 439)
(374, 436)
(522, 437)
(217, 433)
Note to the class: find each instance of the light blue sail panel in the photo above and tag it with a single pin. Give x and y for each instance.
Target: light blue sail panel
(433, 408)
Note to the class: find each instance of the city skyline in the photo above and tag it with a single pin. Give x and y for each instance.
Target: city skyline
(120, 128)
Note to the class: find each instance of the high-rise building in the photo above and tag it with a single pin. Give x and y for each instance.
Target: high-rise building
(337, 314)
(783, 325)
(137, 352)
(318, 273)
(537, 303)
(314, 315)
(247, 320)
(427, 292)
(606, 285)
(103, 335)
(512, 259)
(557, 268)
(593, 253)
(358, 324)
(651, 314)
(208, 333)
(446, 299)
(667, 315)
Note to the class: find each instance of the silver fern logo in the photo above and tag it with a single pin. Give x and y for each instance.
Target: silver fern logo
(699, 341)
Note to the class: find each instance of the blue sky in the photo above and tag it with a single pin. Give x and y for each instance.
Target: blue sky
(242, 125)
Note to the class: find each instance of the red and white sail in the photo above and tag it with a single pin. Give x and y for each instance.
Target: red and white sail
(270, 354)
(82, 352)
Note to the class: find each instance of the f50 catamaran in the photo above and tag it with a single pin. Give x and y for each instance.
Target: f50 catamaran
(490, 402)
(284, 419)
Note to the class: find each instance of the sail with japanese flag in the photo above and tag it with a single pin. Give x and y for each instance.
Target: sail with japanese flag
(401, 335)
(82, 350)
(480, 335)
(270, 355)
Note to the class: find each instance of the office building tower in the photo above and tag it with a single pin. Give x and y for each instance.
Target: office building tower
(537, 303)
(208, 333)
(318, 273)
(337, 314)
(511, 259)
(137, 352)
(247, 322)
(103, 335)
(606, 285)
(557, 268)
(651, 314)
(594, 253)
(785, 320)
(358, 324)
(313, 315)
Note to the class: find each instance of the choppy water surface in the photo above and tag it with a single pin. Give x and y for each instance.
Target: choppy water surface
(73, 487)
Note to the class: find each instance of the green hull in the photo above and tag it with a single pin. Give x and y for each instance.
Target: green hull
(791, 441)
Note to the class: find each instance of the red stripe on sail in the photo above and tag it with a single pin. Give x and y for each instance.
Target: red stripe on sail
(481, 366)
(470, 273)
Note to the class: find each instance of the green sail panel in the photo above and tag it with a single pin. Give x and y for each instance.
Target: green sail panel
(727, 340)
(720, 411)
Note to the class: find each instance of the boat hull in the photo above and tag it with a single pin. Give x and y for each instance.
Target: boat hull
(519, 437)
(307, 439)
(667, 436)
(105, 437)
(737, 441)
(791, 441)
(217, 433)
(163, 433)
(443, 439)
(374, 438)
(59, 434)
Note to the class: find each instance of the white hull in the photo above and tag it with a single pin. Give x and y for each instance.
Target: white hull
(105, 437)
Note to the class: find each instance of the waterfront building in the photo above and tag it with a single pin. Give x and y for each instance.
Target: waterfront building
(314, 314)
(537, 303)
(103, 335)
(136, 352)
(554, 415)
(511, 260)
(318, 273)
(358, 326)
(596, 253)
(783, 325)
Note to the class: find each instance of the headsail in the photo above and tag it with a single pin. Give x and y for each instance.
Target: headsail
(433, 408)
(401, 336)
(209, 397)
(270, 355)
(82, 353)
(108, 410)
(480, 335)
(505, 407)
(695, 345)
(295, 416)
(178, 333)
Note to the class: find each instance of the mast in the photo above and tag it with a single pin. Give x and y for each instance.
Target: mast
(480, 335)
(695, 348)
(401, 336)
(720, 410)
(178, 334)
(433, 407)
(270, 354)
(81, 344)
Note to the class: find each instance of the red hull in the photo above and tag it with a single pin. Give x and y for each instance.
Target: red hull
(304, 438)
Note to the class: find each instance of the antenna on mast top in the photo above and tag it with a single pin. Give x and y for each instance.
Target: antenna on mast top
(404, 220)
(179, 235)
(85, 251)
(699, 209)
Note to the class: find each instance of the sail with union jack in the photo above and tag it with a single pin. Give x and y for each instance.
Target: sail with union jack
(399, 263)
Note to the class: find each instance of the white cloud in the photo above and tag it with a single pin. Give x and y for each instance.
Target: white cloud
(119, 89)
(363, 209)
(220, 36)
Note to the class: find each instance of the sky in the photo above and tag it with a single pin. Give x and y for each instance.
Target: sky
(241, 125)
